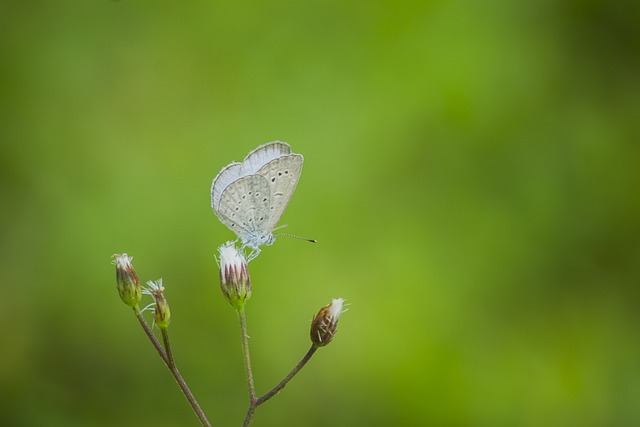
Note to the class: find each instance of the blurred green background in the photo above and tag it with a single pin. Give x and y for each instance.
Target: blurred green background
(472, 174)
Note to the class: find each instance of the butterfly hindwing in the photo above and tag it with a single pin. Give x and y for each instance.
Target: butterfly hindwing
(244, 207)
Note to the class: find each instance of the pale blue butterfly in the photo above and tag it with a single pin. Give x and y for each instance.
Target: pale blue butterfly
(250, 197)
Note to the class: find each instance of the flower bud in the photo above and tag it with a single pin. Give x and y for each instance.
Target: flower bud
(234, 276)
(161, 312)
(325, 324)
(127, 280)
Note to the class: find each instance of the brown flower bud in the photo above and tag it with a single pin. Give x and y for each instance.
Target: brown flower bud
(325, 324)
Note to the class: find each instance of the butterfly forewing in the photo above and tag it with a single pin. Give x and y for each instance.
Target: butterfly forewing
(226, 176)
(262, 155)
(282, 175)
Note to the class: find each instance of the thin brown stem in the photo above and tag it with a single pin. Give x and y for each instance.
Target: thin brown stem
(249, 417)
(181, 382)
(254, 403)
(167, 358)
(288, 378)
(151, 336)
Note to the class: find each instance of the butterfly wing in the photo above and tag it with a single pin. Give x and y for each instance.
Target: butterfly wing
(250, 197)
(282, 176)
(227, 175)
(262, 155)
(244, 208)
(255, 160)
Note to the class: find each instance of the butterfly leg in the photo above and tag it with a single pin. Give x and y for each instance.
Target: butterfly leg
(253, 254)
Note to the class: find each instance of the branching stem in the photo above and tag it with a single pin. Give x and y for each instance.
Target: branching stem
(167, 356)
(254, 401)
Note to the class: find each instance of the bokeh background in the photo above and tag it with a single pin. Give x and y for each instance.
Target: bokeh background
(472, 174)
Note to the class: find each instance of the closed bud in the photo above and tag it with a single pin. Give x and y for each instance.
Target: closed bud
(234, 276)
(127, 281)
(161, 312)
(325, 324)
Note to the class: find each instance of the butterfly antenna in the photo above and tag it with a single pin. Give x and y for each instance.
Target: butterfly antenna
(297, 237)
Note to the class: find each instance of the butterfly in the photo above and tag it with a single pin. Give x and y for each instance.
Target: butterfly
(250, 197)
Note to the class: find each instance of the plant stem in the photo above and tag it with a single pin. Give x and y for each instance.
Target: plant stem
(152, 337)
(181, 382)
(288, 378)
(167, 358)
(249, 417)
(254, 403)
(247, 356)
